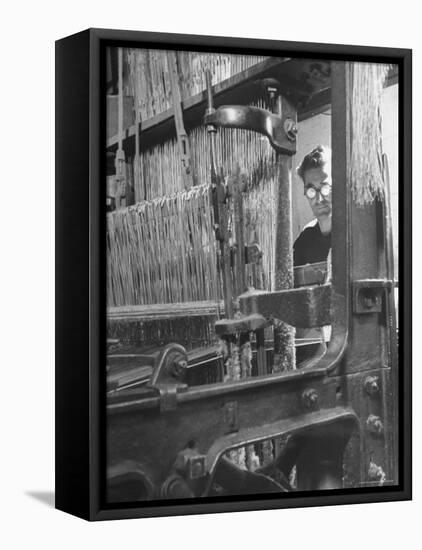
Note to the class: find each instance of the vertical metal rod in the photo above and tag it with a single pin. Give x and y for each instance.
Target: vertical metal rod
(284, 350)
(261, 354)
(211, 129)
(340, 163)
(220, 209)
(120, 97)
(391, 332)
(239, 251)
(137, 175)
(182, 137)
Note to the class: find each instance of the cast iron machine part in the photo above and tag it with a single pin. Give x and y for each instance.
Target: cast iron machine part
(175, 436)
(169, 440)
(193, 473)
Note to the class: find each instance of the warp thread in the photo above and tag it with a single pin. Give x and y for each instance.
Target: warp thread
(366, 166)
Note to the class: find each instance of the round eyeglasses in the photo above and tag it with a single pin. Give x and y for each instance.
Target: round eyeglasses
(324, 191)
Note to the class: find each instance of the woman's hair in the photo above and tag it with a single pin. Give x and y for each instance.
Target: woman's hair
(320, 156)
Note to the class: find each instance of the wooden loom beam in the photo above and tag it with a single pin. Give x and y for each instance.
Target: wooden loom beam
(236, 89)
(157, 312)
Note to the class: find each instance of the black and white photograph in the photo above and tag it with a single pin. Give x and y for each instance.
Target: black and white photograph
(252, 276)
(210, 275)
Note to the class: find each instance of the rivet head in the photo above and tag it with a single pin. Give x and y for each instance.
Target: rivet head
(310, 398)
(290, 128)
(371, 385)
(374, 425)
(376, 473)
(179, 369)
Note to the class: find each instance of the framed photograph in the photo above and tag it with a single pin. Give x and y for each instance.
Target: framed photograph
(233, 274)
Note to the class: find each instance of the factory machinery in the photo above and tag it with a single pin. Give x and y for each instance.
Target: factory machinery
(209, 393)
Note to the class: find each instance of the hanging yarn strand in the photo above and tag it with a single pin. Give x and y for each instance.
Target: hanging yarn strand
(366, 173)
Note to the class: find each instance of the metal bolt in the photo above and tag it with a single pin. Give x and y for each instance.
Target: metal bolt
(196, 467)
(290, 127)
(371, 385)
(179, 369)
(374, 425)
(368, 298)
(368, 301)
(376, 473)
(320, 275)
(271, 86)
(310, 398)
(190, 463)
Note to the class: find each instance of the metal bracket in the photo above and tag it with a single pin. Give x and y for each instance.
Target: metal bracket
(304, 307)
(190, 464)
(219, 196)
(170, 366)
(168, 375)
(168, 395)
(271, 86)
(368, 294)
(247, 323)
(196, 467)
(280, 130)
(310, 274)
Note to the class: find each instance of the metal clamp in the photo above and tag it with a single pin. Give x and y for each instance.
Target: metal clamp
(168, 375)
(168, 395)
(281, 131)
(310, 274)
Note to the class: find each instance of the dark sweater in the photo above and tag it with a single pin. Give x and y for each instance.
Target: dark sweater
(311, 246)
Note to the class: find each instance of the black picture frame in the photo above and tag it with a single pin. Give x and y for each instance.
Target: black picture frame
(80, 258)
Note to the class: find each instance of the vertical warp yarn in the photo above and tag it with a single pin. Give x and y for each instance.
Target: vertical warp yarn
(160, 169)
(366, 168)
(162, 251)
(148, 73)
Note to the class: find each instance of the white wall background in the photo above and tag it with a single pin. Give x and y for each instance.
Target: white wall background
(28, 31)
(390, 144)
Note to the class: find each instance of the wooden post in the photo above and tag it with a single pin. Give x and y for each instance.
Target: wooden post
(136, 160)
(182, 137)
(120, 161)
